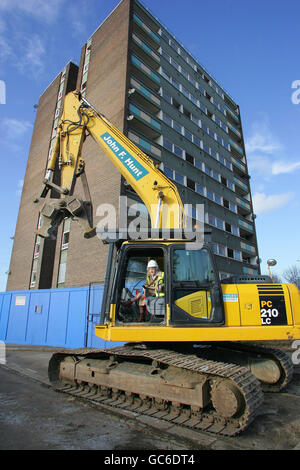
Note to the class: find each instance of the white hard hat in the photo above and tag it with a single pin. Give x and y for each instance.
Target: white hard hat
(152, 264)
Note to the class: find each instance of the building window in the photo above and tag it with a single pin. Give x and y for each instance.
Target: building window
(66, 234)
(198, 165)
(37, 247)
(175, 83)
(189, 158)
(199, 189)
(215, 175)
(167, 144)
(167, 97)
(197, 141)
(178, 151)
(62, 267)
(167, 119)
(218, 199)
(34, 273)
(191, 184)
(62, 273)
(235, 230)
(177, 127)
(164, 36)
(232, 207)
(230, 185)
(168, 172)
(237, 255)
(179, 178)
(210, 195)
(188, 135)
(216, 222)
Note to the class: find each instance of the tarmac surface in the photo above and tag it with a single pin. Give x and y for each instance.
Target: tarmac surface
(34, 416)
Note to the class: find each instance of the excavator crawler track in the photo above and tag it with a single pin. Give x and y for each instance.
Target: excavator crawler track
(230, 394)
(279, 358)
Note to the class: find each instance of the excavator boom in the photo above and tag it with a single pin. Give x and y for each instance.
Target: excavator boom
(79, 118)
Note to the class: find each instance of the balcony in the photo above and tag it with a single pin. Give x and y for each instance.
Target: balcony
(144, 123)
(240, 188)
(236, 147)
(251, 271)
(234, 130)
(238, 165)
(234, 137)
(146, 32)
(145, 97)
(243, 207)
(246, 230)
(144, 73)
(145, 51)
(230, 104)
(249, 248)
(145, 145)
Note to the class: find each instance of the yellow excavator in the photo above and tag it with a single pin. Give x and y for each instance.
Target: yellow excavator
(198, 354)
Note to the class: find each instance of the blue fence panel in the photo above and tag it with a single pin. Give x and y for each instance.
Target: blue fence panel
(18, 317)
(4, 313)
(58, 318)
(52, 317)
(77, 317)
(37, 317)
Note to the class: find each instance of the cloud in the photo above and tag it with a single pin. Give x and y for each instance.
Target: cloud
(15, 128)
(266, 154)
(283, 167)
(20, 187)
(261, 139)
(266, 203)
(33, 54)
(265, 166)
(260, 164)
(41, 9)
(19, 45)
(260, 142)
(26, 52)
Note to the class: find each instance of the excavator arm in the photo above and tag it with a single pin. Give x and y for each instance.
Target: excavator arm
(66, 163)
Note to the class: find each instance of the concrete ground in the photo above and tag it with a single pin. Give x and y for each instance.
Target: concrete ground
(33, 416)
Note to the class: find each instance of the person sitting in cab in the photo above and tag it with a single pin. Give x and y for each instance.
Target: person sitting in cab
(153, 287)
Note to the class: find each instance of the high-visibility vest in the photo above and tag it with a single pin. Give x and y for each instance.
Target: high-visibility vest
(155, 283)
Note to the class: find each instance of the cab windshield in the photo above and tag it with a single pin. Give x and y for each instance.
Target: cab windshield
(192, 265)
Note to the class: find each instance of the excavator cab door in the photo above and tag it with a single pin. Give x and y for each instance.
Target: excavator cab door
(130, 281)
(196, 296)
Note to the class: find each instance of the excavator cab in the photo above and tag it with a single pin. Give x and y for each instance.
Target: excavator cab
(192, 292)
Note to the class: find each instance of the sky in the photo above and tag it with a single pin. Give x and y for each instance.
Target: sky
(251, 47)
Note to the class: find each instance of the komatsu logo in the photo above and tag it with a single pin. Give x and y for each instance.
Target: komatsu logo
(129, 162)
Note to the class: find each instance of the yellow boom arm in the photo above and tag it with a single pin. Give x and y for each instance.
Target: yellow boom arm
(157, 192)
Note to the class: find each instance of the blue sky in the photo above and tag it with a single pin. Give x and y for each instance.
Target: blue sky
(251, 47)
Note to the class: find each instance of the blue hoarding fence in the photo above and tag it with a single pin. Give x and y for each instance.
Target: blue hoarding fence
(52, 317)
